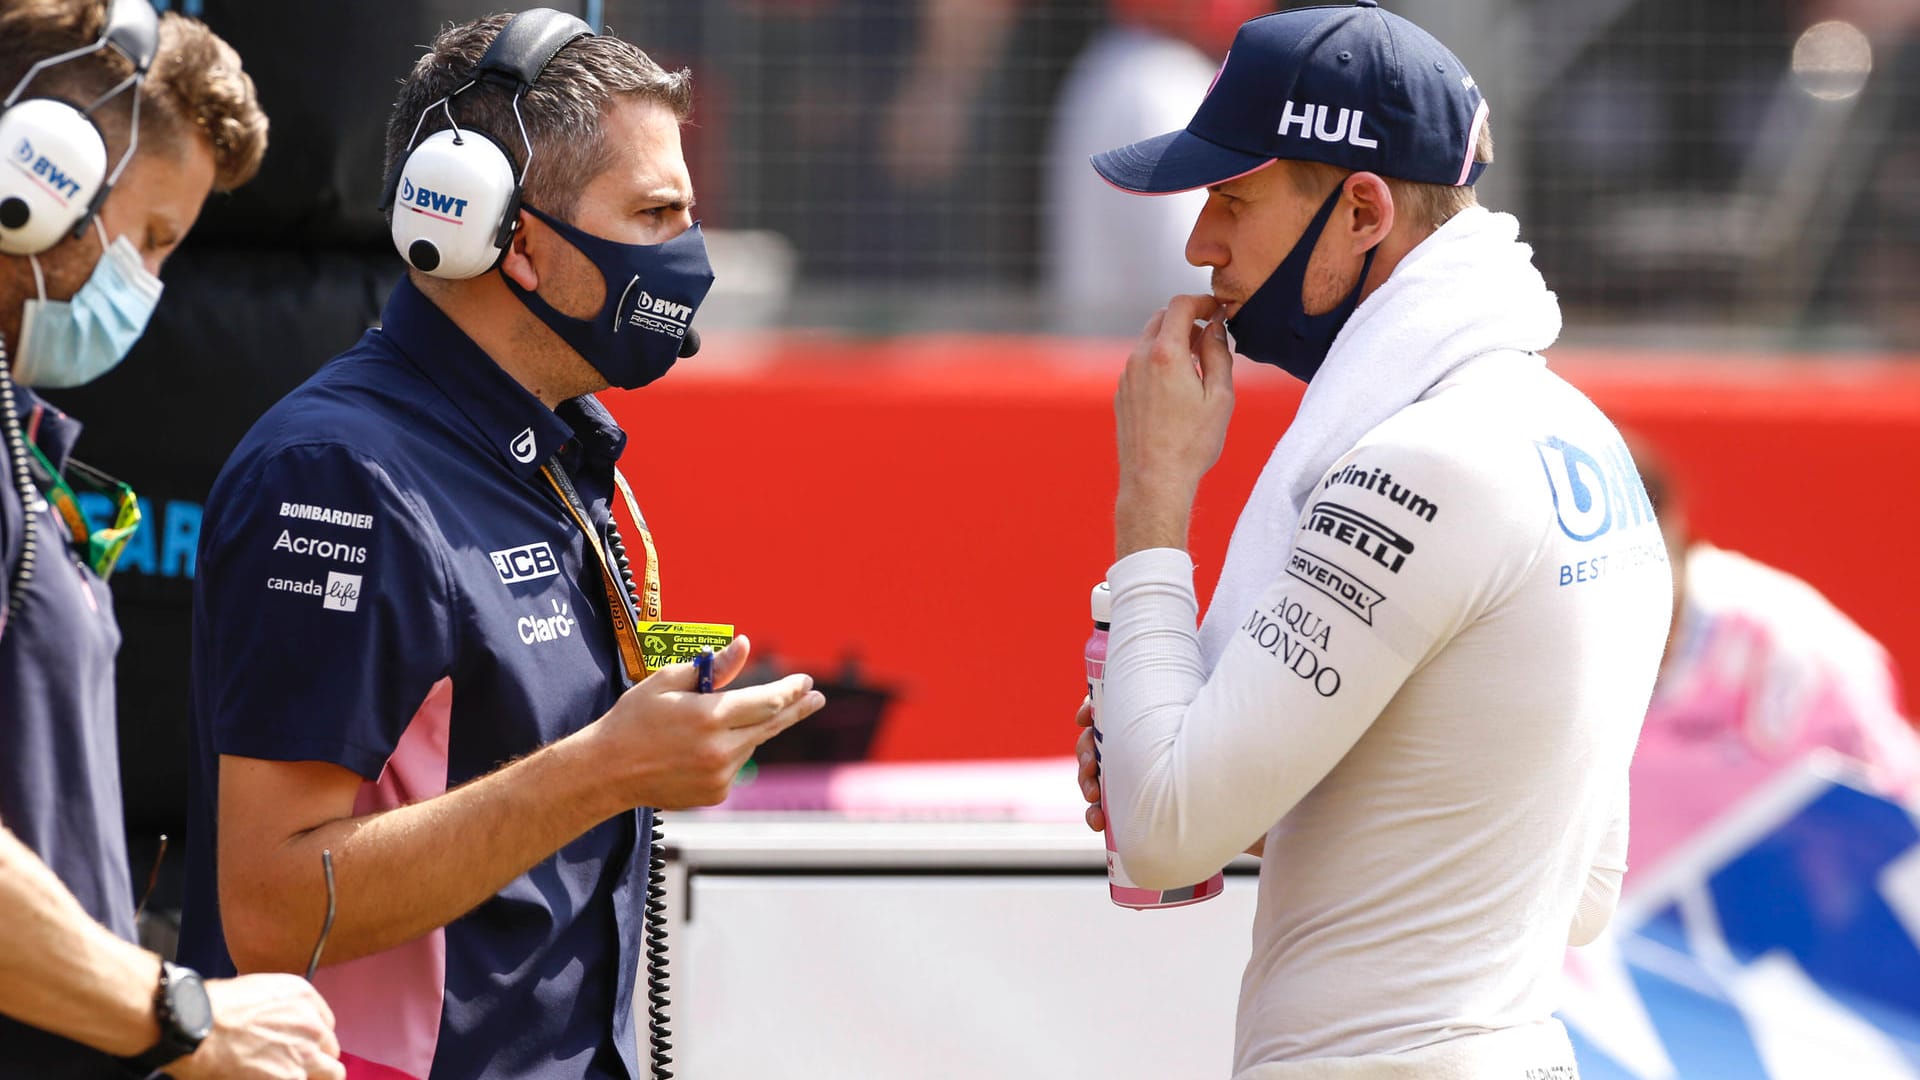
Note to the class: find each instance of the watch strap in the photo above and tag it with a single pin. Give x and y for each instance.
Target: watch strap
(175, 1041)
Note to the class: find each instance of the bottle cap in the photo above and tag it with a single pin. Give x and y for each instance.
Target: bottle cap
(1102, 603)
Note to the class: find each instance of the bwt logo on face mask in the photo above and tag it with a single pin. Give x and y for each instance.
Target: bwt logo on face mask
(426, 199)
(1313, 125)
(50, 175)
(649, 304)
(660, 315)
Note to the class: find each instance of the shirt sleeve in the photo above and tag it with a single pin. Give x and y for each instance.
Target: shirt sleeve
(322, 611)
(1601, 893)
(1398, 548)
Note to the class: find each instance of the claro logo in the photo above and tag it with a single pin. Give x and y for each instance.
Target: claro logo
(42, 168)
(552, 627)
(423, 200)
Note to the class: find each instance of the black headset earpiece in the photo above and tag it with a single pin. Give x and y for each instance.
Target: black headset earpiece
(451, 180)
(59, 178)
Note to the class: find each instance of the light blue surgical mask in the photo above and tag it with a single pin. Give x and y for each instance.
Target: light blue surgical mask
(67, 343)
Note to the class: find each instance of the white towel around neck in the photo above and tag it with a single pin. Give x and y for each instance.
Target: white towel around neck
(1468, 290)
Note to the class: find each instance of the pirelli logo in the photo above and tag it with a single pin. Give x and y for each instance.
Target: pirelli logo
(1339, 586)
(525, 563)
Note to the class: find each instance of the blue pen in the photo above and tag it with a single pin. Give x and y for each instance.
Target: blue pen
(703, 670)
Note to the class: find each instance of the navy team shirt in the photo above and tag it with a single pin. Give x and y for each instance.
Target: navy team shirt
(59, 758)
(388, 584)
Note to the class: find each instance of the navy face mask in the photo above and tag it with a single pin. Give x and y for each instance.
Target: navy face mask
(652, 292)
(1273, 326)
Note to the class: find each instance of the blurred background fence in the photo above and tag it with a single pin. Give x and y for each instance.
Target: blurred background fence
(1691, 171)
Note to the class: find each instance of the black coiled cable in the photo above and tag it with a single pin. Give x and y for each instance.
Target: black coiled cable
(656, 946)
(29, 494)
(656, 907)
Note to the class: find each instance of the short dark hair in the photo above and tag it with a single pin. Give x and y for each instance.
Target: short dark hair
(195, 82)
(562, 111)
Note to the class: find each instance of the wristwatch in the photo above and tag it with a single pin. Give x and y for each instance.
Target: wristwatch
(184, 1014)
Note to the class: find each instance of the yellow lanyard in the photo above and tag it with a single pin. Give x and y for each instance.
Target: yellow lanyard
(104, 545)
(625, 632)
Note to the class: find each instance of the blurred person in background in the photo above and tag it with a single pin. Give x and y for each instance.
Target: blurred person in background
(1107, 258)
(415, 648)
(1761, 668)
(1417, 687)
(77, 998)
(928, 119)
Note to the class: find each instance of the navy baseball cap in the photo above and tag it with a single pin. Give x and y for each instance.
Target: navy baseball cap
(1352, 86)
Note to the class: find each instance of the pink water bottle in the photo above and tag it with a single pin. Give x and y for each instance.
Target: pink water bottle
(1124, 891)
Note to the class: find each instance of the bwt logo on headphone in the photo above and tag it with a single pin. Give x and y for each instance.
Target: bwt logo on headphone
(433, 203)
(52, 177)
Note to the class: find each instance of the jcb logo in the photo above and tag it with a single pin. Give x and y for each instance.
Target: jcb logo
(1312, 120)
(525, 563)
(426, 199)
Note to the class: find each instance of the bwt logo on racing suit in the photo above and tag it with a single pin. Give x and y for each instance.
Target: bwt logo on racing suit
(1590, 496)
(425, 199)
(1313, 125)
(42, 168)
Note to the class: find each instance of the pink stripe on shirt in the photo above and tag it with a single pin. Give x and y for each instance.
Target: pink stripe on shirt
(386, 1006)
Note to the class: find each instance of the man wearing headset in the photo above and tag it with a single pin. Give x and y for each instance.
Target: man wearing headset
(414, 616)
(116, 127)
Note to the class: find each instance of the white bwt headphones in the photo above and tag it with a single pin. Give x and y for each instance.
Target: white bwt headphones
(454, 197)
(54, 176)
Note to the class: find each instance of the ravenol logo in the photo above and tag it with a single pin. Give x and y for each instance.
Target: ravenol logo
(51, 176)
(1312, 120)
(432, 203)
